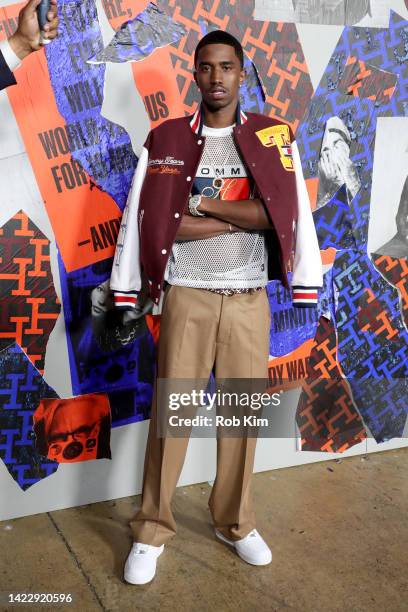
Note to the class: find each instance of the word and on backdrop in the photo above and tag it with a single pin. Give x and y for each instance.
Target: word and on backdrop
(349, 355)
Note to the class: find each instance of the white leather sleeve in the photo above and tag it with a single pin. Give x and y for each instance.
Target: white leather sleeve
(307, 267)
(125, 279)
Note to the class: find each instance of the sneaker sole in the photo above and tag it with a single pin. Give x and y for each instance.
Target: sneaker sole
(131, 580)
(242, 556)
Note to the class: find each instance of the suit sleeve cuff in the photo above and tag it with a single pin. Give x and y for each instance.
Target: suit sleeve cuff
(12, 60)
(305, 297)
(125, 300)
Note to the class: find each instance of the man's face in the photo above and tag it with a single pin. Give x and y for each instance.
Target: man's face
(76, 418)
(218, 75)
(333, 141)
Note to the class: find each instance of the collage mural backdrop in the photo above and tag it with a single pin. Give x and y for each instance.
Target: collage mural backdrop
(349, 356)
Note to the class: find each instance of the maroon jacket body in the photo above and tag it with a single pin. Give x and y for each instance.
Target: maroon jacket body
(162, 185)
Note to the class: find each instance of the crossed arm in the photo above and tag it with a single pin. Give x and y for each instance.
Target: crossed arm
(223, 216)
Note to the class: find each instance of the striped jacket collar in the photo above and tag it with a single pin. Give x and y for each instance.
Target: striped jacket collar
(197, 120)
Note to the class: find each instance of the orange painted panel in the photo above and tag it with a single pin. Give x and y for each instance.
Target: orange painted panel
(73, 205)
(156, 82)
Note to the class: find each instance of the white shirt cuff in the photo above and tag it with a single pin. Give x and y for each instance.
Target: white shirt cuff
(12, 60)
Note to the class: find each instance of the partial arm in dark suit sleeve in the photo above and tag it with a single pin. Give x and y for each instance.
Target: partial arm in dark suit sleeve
(25, 40)
(6, 76)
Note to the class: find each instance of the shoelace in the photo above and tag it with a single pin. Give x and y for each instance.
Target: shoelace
(140, 549)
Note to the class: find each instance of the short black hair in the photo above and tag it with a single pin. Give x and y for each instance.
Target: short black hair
(220, 37)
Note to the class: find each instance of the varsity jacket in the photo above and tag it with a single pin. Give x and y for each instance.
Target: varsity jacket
(161, 187)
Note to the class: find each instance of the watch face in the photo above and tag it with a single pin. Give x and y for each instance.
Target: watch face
(196, 200)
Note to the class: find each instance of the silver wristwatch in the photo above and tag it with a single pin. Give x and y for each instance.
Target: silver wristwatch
(193, 203)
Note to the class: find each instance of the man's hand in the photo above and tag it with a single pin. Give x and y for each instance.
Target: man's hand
(329, 169)
(348, 173)
(27, 38)
(138, 312)
(246, 214)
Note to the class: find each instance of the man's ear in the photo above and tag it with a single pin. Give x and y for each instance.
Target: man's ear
(195, 77)
(242, 76)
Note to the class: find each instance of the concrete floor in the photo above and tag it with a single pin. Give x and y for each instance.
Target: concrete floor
(338, 531)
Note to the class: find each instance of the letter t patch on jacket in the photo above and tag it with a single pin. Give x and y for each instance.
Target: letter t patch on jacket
(278, 136)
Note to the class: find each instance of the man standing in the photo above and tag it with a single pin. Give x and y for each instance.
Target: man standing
(210, 218)
(25, 40)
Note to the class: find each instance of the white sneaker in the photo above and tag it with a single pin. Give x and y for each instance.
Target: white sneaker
(253, 549)
(140, 566)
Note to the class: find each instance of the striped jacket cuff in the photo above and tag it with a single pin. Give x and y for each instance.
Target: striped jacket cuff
(304, 297)
(125, 300)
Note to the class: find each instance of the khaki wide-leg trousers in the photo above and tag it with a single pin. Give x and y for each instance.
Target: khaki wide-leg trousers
(199, 330)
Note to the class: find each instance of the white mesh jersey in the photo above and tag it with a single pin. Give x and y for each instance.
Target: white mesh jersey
(235, 260)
